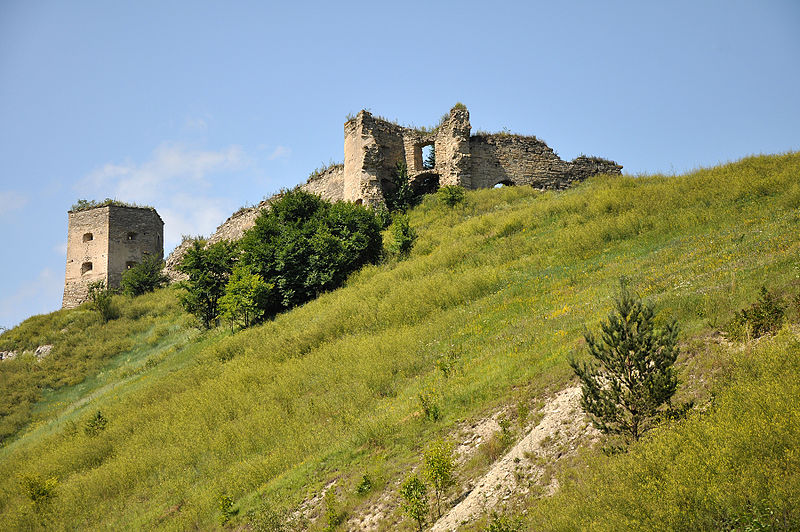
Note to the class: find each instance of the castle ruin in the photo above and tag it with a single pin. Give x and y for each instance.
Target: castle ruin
(373, 147)
(105, 240)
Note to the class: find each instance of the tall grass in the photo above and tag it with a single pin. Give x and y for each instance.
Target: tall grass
(330, 389)
(735, 466)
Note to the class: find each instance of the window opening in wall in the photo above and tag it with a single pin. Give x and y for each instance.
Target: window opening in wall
(131, 236)
(87, 237)
(504, 183)
(359, 201)
(428, 157)
(130, 264)
(86, 267)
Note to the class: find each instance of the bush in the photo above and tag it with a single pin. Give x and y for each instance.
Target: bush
(364, 486)
(403, 236)
(430, 407)
(439, 467)
(226, 509)
(208, 269)
(451, 195)
(333, 517)
(96, 424)
(245, 293)
(266, 519)
(100, 298)
(304, 246)
(503, 523)
(39, 490)
(765, 316)
(401, 196)
(415, 500)
(144, 277)
(635, 377)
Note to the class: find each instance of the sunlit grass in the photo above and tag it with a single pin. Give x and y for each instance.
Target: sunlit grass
(330, 390)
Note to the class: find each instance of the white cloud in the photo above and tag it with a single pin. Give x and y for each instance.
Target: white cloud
(35, 296)
(11, 201)
(61, 249)
(280, 152)
(177, 181)
(173, 167)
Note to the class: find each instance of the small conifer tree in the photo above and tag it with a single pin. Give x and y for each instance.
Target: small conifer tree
(635, 376)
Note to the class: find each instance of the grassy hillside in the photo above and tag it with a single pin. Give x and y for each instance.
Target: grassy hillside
(503, 285)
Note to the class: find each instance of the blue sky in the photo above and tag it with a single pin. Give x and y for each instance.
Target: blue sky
(198, 108)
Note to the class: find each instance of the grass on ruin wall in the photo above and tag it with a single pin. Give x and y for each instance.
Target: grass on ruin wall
(330, 390)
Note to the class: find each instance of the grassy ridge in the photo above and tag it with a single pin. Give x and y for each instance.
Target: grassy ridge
(331, 389)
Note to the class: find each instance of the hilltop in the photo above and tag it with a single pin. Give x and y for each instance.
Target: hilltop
(477, 325)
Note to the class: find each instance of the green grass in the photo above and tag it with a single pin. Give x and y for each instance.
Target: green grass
(330, 390)
(735, 466)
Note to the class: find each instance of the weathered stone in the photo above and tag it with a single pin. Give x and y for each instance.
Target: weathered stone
(103, 242)
(373, 147)
(42, 351)
(8, 355)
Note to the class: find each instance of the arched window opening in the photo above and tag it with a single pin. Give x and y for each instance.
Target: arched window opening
(504, 183)
(87, 237)
(86, 267)
(359, 201)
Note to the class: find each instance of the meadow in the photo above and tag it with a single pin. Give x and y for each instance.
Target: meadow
(503, 285)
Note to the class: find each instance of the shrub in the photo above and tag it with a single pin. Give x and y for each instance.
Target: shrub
(96, 424)
(636, 377)
(305, 246)
(364, 486)
(226, 508)
(245, 293)
(144, 277)
(208, 269)
(765, 316)
(100, 298)
(39, 490)
(401, 196)
(430, 407)
(451, 195)
(333, 516)
(403, 236)
(439, 467)
(415, 500)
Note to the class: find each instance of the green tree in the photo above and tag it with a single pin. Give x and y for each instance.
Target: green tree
(451, 195)
(304, 246)
(208, 269)
(401, 195)
(430, 160)
(100, 300)
(415, 500)
(403, 236)
(144, 277)
(242, 302)
(439, 467)
(633, 374)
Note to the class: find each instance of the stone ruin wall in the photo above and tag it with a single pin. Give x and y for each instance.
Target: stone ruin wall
(111, 238)
(373, 147)
(518, 160)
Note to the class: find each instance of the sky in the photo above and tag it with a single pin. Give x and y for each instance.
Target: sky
(198, 108)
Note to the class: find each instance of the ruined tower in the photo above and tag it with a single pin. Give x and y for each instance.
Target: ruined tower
(103, 241)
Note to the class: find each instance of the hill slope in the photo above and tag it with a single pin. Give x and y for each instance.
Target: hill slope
(500, 287)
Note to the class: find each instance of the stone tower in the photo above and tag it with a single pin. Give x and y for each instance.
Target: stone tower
(105, 240)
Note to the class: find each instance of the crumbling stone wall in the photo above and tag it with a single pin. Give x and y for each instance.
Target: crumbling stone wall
(103, 242)
(373, 147)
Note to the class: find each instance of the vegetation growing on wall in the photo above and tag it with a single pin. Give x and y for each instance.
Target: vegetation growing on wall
(85, 205)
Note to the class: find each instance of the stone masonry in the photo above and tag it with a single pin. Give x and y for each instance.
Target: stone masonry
(103, 242)
(373, 147)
